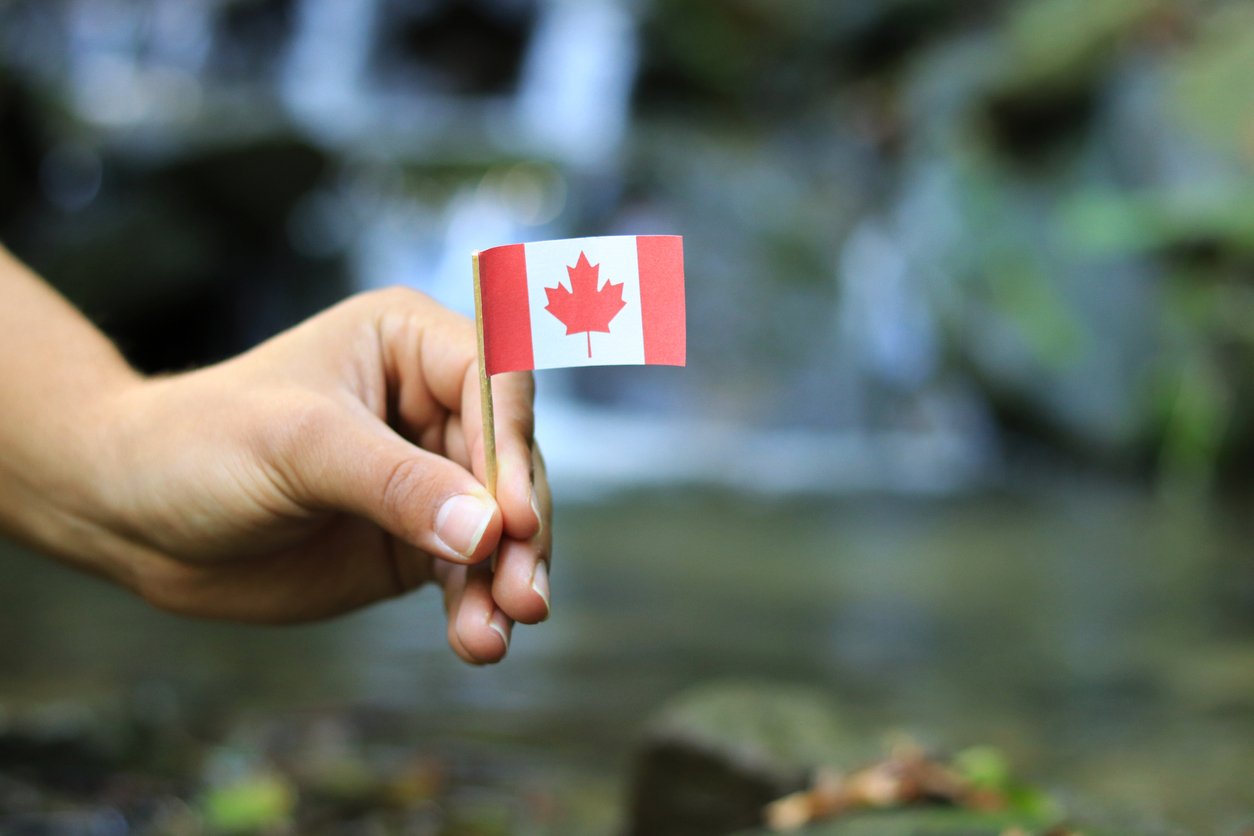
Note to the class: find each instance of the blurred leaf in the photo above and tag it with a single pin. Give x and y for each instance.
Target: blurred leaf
(1114, 223)
(718, 46)
(1017, 280)
(251, 804)
(986, 768)
(1212, 81)
(1054, 41)
(1195, 401)
(983, 766)
(1107, 223)
(1026, 295)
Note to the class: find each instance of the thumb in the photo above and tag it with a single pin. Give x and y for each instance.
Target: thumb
(356, 463)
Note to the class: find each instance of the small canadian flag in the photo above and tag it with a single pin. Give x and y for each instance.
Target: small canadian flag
(583, 302)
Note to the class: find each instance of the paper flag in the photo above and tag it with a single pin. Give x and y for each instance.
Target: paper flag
(583, 302)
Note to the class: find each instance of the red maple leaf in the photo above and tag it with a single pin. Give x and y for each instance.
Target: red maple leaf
(584, 308)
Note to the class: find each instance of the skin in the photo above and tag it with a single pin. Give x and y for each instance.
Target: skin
(301, 479)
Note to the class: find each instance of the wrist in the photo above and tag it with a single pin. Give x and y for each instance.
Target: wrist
(66, 478)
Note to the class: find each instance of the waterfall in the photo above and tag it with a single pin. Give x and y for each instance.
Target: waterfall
(323, 79)
(575, 95)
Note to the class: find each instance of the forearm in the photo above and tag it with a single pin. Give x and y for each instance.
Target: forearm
(57, 376)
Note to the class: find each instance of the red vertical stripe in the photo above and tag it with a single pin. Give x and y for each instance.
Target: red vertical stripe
(661, 259)
(506, 311)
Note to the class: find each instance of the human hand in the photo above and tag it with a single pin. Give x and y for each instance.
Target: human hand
(337, 464)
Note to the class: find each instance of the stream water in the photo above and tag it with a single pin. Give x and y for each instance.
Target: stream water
(1103, 640)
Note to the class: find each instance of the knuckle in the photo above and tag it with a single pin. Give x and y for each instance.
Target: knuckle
(475, 448)
(524, 423)
(304, 425)
(405, 487)
(289, 447)
(397, 296)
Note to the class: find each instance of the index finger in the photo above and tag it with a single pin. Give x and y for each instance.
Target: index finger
(444, 344)
(513, 395)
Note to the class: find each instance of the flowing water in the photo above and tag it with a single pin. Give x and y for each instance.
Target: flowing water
(1102, 639)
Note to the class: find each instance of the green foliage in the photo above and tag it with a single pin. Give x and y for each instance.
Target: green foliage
(1193, 398)
(253, 803)
(1104, 222)
(987, 768)
(1057, 41)
(1181, 212)
(1212, 81)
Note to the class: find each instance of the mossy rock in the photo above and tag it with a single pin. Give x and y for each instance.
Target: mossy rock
(713, 757)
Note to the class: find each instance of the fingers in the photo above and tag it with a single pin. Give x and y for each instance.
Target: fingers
(513, 395)
(478, 632)
(330, 456)
(482, 604)
(521, 584)
(431, 372)
(431, 364)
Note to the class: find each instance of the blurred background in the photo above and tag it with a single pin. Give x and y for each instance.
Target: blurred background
(965, 441)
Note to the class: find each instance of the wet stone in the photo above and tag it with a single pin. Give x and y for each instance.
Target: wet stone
(713, 757)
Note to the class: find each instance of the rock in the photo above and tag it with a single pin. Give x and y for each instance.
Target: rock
(936, 821)
(713, 757)
(59, 751)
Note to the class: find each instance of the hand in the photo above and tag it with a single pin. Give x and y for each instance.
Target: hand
(337, 464)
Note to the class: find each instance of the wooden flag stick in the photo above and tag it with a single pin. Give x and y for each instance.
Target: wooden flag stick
(485, 390)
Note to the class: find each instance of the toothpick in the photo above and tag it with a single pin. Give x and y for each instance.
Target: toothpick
(485, 390)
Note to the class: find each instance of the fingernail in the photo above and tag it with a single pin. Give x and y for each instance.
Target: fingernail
(535, 508)
(499, 626)
(461, 522)
(540, 585)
